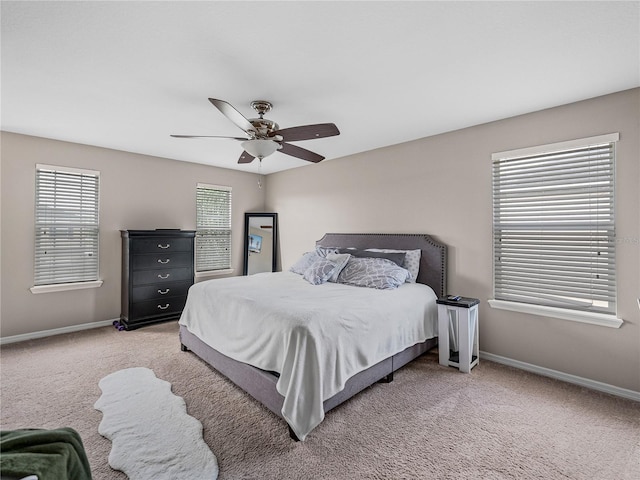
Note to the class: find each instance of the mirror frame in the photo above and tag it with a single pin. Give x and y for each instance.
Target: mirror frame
(247, 217)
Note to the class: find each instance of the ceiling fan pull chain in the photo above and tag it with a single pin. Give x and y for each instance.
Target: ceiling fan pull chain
(260, 173)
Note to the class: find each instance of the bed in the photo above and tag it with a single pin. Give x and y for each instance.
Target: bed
(308, 375)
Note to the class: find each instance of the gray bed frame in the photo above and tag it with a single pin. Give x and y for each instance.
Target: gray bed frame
(261, 385)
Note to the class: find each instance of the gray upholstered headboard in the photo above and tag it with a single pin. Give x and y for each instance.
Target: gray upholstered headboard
(433, 261)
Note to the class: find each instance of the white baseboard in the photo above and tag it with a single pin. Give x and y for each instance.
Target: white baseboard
(55, 331)
(565, 377)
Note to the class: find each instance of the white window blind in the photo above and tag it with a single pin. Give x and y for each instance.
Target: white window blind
(213, 228)
(554, 228)
(66, 225)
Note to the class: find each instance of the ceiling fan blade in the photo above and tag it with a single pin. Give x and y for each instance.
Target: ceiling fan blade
(246, 158)
(234, 115)
(208, 136)
(308, 132)
(302, 153)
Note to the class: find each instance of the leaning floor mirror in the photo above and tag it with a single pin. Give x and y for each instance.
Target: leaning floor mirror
(260, 238)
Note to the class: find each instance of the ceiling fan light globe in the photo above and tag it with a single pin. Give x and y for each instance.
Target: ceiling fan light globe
(260, 148)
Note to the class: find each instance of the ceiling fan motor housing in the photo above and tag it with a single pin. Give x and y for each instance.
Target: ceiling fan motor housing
(264, 126)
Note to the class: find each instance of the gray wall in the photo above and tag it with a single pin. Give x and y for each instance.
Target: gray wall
(441, 185)
(136, 192)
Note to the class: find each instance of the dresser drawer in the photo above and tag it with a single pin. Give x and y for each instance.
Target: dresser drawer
(156, 292)
(161, 260)
(161, 244)
(163, 306)
(161, 276)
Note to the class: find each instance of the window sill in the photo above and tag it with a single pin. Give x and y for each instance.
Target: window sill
(213, 273)
(600, 319)
(63, 287)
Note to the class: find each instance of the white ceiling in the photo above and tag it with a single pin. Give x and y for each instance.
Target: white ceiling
(125, 75)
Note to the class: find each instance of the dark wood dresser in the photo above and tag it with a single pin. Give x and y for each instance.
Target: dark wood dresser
(157, 271)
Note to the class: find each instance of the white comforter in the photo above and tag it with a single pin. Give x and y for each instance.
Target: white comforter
(315, 336)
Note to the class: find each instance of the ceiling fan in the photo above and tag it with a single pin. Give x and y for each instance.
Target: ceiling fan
(265, 137)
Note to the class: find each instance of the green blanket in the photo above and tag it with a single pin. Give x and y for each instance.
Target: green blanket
(49, 454)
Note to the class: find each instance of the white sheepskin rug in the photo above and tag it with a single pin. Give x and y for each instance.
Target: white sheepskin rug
(153, 437)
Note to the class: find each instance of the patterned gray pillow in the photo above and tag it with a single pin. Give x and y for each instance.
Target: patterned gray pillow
(320, 271)
(411, 260)
(304, 262)
(395, 257)
(340, 259)
(373, 273)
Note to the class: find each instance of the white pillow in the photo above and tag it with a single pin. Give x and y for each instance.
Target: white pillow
(411, 260)
(324, 251)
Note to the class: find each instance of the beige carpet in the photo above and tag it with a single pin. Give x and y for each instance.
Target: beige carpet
(430, 423)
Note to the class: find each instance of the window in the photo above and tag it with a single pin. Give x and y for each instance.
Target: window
(66, 225)
(213, 228)
(553, 225)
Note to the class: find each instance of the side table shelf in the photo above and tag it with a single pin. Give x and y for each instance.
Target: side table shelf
(458, 343)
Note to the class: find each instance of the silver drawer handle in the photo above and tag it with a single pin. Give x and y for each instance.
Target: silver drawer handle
(163, 293)
(164, 246)
(164, 261)
(164, 277)
(163, 308)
